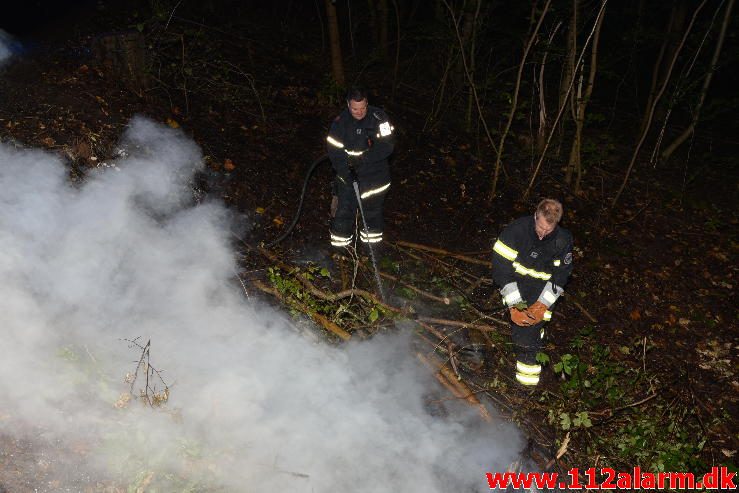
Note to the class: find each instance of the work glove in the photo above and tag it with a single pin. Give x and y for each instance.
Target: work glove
(520, 317)
(536, 312)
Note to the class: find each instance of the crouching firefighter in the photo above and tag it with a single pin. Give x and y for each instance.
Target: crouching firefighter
(359, 143)
(532, 261)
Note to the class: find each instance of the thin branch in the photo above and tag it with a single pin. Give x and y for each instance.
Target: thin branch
(645, 131)
(564, 103)
(514, 103)
(704, 90)
(469, 76)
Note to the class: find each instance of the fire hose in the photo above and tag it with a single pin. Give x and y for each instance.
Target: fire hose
(289, 229)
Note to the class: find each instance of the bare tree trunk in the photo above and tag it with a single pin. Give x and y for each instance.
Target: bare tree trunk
(397, 49)
(569, 70)
(373, 23)
(666, 52)
(467, 74)
(122, 55)
(562, 106)
(337, 61)
(471, 38)
(650, 113)
(657, 66)
(414, 10)
(514, 102)
(440, 94)
(532, 16)
(704, 90)
(383, 11)
(323, 29)
(575, 161)
(543, 129)
(569, 65)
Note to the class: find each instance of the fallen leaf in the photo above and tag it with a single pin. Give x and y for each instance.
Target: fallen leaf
(635, 315)
(122, 401)
(172, 123)
(229, 165)
(278, 221)
(260, 210)
(48, 141)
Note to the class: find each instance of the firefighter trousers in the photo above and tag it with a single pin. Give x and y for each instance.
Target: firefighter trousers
(342, 224)
(527, 342)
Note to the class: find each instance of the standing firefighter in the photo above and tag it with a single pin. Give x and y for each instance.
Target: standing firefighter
(359, 143)
(532, 261)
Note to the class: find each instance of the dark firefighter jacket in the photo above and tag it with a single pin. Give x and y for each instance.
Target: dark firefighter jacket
(529, 269)
(365, 143)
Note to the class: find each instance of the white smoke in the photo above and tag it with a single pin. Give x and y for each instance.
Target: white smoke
(253, 406)
(5, 44)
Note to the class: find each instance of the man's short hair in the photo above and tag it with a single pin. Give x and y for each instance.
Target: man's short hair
(550, 210)
(356, 94)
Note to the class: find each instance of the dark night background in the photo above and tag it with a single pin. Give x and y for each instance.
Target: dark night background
(252, 83)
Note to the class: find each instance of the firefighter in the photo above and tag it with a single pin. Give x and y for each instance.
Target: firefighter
(359, 143)
(532, 261)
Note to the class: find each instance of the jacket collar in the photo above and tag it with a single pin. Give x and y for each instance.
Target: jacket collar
(532, 231)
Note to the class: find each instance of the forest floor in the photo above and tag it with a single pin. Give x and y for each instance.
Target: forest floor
(646, 334)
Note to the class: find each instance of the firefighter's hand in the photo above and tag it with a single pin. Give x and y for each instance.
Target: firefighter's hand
(354, 161)
(519, 317)
(353, 175)
(536, 312)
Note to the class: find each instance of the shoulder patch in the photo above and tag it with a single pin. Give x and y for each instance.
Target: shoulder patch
(568, 258)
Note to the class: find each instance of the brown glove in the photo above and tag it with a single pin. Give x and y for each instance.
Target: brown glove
(536, 312)
(519, 317)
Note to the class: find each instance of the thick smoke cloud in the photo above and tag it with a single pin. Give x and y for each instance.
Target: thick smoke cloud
(5, 47)
(253, 405)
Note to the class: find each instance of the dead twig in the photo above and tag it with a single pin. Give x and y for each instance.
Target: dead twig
(584, 311)
(250, 79)
(149, 393)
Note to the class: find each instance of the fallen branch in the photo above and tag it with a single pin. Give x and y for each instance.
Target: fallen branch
(445, 253)
(319, 293)
(421, 292)
(442, 337)
(608, 413)
(470, 277)
(317, 317)
(469, 325)
(460, 390)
